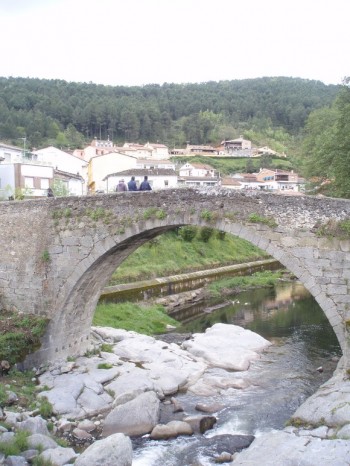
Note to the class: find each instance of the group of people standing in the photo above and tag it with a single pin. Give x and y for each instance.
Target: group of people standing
(132, 186)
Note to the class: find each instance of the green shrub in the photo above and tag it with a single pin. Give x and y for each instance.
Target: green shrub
(38, 461)
(106, 348)
(20, 335)
(256, 218)
(19, 444)
(206, 215)
(45, 408)
(45, 256)
(221, 235)
(104, 365)
(206, 233)
(188, 233)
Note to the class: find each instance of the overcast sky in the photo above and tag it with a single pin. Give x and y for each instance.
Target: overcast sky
(137, 42)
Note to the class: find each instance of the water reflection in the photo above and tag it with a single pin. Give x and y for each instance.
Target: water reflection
(277, 312)
(278, 383)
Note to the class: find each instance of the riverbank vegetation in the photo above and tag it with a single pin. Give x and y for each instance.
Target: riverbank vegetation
(146, 319)
(179, 252)
(152, 319)
(266, 278)
(19, 335)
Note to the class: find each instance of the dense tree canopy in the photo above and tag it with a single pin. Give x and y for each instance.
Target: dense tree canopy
(69, 114)
(326, 146)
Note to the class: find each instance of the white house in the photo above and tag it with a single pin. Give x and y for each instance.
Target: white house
(153, 163)
(102, 165)
(61, 160)
(146, 151)
(197, 169)
(158, 151)
(11, 154)
(136, 150)
(96, 147)
(198, 174)
(74, 184)
(24, 178)
(158, 178)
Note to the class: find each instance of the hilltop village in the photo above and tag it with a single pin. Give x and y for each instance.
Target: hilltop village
(98, 167)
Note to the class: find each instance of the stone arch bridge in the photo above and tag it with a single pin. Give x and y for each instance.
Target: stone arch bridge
(56, 255)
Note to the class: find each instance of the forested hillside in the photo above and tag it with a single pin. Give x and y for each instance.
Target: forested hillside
(70, 114)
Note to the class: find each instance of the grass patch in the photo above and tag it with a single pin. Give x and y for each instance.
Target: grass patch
(104, 365)
(21, 383)
(256, 218)
(148, 320)
(334, 229)
(20, 335)
(106, 348)
(172, 254)
(45, 408)
(19, 444)
(266, 278)
(38, 461)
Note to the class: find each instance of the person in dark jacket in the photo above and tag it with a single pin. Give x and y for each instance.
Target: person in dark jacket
(145, 186)
(50, 193)
(121, 186)
(132, 186)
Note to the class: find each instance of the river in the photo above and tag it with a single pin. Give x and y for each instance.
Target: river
(287, 373)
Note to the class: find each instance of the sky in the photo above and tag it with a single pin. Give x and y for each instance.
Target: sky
(139, 42)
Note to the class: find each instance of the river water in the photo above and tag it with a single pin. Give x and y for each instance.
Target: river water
(287, 373)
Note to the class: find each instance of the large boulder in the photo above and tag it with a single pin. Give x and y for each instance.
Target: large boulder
(115, 450)
(171, 430)
(228, 346)
(58, 456)
(282, 448)
(137, 417)
(34, 425)
(330, 405)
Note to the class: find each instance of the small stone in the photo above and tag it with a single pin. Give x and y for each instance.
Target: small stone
(81, 434)
(224, 457)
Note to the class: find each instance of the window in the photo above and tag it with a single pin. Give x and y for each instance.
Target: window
(166, 183)
(44, 183)
(29, 182)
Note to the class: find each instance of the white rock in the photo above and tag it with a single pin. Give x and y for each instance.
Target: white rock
(137, 417)
(115, 450)
(281, 448)
(227, 346)
(59, 456)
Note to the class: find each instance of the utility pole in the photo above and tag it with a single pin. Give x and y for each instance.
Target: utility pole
(24, 145)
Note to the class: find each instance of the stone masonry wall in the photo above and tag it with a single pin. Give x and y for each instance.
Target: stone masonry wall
(58, 254)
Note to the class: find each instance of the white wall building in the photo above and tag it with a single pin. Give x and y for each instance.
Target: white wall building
(102, 165)
(197, 169)
(158, 151)
(61, 160)
(11, 154)
(29, 179)
(154, 163)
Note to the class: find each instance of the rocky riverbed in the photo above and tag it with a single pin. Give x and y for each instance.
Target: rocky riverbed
(126, 388)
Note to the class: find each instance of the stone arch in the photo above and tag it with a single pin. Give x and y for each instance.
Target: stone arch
(69, 330)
